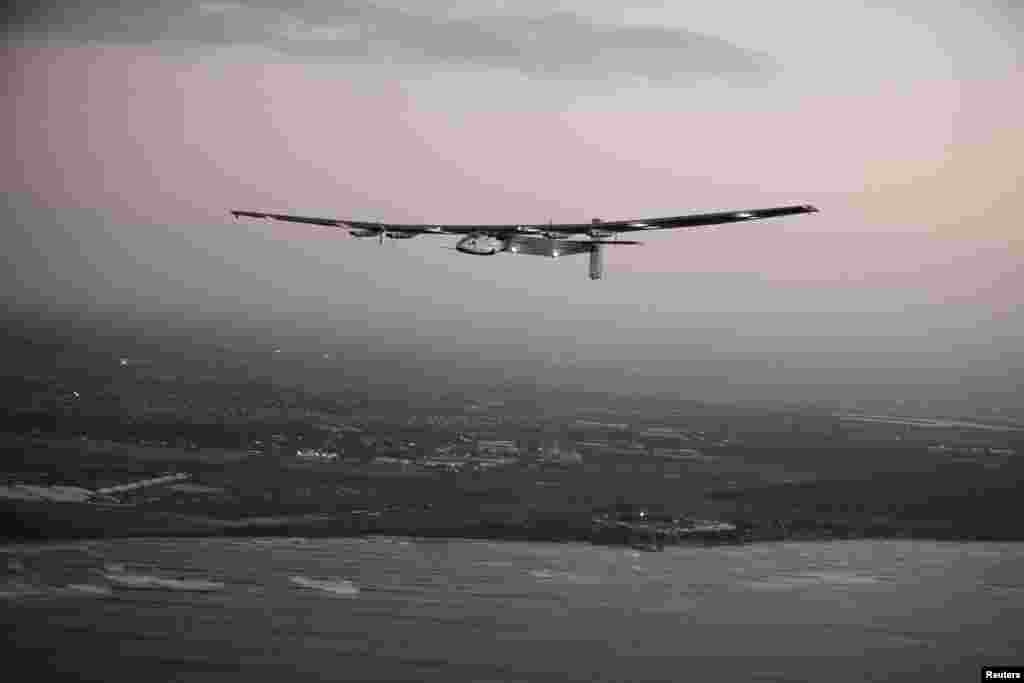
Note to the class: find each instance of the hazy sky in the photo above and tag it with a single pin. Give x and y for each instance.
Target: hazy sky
(132, 131)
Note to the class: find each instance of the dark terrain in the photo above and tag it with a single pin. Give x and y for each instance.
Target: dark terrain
(93, 405)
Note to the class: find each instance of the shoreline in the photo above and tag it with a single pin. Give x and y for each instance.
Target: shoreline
(13, 544)
(296, 529)
(26, 521)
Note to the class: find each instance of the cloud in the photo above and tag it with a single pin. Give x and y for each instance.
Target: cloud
(556, 45)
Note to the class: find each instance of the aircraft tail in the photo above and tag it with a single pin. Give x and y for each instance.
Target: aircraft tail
(596, 261)
(596, 249)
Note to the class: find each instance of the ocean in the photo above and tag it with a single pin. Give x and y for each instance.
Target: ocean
(397, 609)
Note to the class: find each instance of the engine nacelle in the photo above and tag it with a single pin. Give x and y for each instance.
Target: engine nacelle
(597, 232)
(480, 245)
(371, 232)
(364, 233)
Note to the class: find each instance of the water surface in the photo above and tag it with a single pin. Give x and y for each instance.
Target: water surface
(414, 610)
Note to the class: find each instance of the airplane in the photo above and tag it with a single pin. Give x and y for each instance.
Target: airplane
(536, 239)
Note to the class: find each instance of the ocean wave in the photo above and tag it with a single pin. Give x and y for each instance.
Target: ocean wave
(40, 548)
(780, 584)
(569, 577)
(333, 586)
(395, 540)
(14, 590)
(846, 578)
(806, 579)
(773, 676)
(89, 589)
(984, 554)
(495, 563)
(147, 582)
(19, 589)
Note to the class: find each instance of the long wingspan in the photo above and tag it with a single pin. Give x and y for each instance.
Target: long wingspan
(701, 219)
(312, 220)
(690, 221)
(435, 228)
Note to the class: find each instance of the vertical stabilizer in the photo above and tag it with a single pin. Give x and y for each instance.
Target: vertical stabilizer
(596, 261)
(596, 250)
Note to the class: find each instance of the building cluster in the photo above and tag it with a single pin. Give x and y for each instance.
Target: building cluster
(481, 454)
(317, 454)
(555, 454)
(484, 454)
(605, 426)
(646, 531)
(486, 449)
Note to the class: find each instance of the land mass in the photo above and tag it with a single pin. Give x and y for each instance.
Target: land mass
(225, 495)
(121, 435)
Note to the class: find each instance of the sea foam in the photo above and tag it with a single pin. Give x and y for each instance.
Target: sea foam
(333, 586)
(145, 582)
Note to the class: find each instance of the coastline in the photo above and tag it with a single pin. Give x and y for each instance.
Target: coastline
(46, 522)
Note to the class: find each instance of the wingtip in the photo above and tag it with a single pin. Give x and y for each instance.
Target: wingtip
(810, 208)
(237, 213)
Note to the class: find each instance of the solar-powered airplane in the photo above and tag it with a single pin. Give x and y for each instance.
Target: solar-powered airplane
(537, 239)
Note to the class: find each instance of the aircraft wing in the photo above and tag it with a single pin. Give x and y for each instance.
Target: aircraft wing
(701, 219)
(411, 229)
(689, 221)
(334, 222)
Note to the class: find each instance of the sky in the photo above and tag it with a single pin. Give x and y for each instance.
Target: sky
(132, 131)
